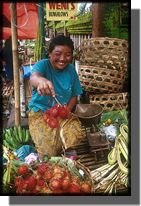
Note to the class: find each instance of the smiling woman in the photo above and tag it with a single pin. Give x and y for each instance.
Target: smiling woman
(52, 77)
(60, 57)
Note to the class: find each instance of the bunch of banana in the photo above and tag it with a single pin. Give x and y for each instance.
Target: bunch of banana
(15, 137)
(115, 173)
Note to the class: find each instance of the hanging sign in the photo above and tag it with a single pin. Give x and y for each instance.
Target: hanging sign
(61, 11)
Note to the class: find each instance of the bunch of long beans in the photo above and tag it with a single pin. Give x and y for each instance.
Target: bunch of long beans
(114, 175)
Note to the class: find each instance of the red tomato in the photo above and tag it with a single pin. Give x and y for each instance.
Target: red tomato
(23, 169)
(74, 188)
(55, 184)
(53, 122)
(86, 187)
(54, 111)
(63, 112)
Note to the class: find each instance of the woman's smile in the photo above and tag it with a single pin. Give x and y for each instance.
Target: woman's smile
(60, 57)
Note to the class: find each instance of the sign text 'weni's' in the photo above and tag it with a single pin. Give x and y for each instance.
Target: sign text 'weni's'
(61, 11)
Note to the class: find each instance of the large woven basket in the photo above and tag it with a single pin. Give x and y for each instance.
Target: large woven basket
(100, 80)
(104, 52)
(113, 101)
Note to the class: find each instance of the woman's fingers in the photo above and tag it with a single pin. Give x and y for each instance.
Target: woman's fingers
(51, 88)
(43, 89)
(46, 88)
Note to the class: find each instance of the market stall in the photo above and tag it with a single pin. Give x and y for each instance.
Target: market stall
(100, 162)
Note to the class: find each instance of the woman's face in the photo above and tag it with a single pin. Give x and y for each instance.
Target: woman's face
(61, 56)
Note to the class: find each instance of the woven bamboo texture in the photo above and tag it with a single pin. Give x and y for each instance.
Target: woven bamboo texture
(113, 101)
(100, 80)
(7, 92)
(104, 52)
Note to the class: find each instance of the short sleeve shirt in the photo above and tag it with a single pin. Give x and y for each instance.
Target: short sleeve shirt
(66, 85)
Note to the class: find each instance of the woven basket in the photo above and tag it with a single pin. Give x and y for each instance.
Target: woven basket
(108, 53)
(7, 94)
(101, 80)
(113, 101)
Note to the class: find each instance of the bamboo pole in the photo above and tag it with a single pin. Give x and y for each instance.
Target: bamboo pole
(15, 63)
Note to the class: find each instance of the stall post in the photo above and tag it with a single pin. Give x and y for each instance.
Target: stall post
(15, 63)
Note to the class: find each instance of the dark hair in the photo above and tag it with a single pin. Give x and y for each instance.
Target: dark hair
(60, 40)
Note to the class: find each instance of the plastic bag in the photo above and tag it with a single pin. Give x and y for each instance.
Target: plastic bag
(32, 157)
(110, 132)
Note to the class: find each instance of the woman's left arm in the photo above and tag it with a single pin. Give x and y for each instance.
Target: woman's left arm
(72, 103)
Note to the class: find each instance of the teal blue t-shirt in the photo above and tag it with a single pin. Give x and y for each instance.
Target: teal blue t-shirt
(66, 85)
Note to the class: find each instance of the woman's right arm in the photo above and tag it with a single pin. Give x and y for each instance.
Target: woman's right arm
(43, 85)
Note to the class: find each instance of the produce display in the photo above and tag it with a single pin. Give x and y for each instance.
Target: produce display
(59, 175)
(62, 175)
(15, 137)
(110, 177)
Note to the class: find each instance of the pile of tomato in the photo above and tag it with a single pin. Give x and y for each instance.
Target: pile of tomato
(48, 178)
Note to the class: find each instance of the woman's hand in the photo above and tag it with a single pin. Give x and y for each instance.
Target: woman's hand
(43, 86)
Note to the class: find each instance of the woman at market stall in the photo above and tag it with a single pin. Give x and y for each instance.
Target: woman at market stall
(54, 77)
